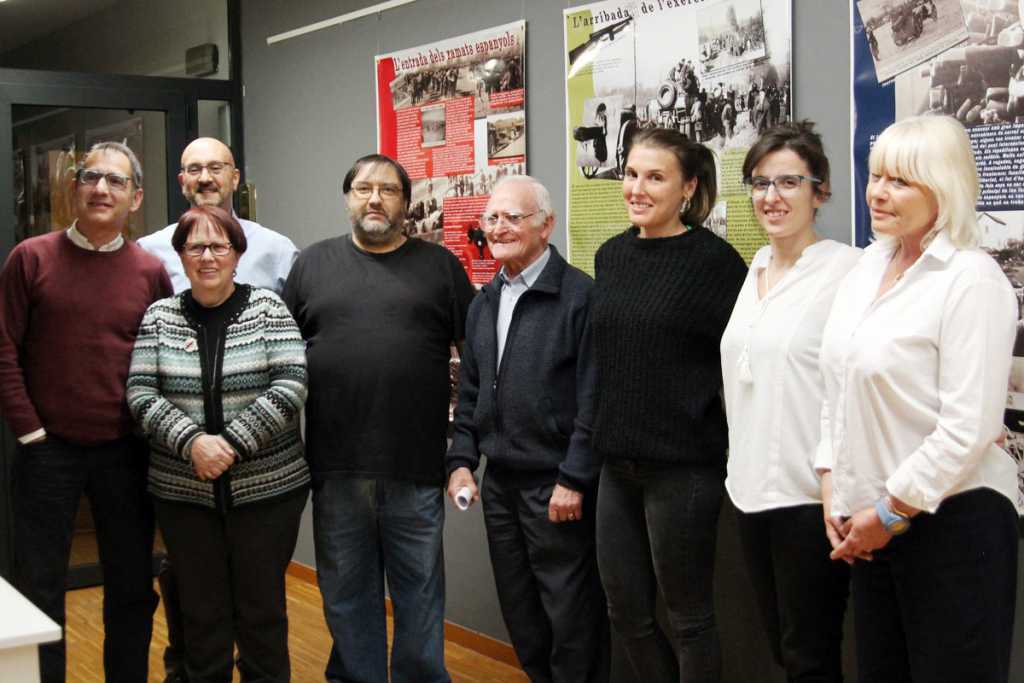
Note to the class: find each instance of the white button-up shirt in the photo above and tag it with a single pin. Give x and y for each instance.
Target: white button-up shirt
(772, 383)
(916, 380)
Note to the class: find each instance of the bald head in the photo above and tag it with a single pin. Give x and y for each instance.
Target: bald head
(208, 174)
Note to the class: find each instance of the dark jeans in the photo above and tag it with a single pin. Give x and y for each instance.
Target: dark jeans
(49, 479)
(170, 597)
(364, 529)
(548, 585)
(656, 531)
(231, 577)
(801, 593)
(936, 605)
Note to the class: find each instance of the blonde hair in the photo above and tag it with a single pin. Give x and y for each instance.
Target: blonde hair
(935, 153)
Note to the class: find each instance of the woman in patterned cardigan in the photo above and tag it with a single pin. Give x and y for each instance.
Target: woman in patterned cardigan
(217, 381)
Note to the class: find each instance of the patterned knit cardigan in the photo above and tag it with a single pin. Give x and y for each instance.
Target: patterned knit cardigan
(263, 390)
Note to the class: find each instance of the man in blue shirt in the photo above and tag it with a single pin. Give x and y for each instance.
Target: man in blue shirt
(209, 177)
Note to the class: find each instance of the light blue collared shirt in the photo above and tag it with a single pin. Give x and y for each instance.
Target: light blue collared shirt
(266, 262)
(511, 290)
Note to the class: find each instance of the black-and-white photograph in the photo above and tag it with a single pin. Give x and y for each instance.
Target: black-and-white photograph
(730, 33)
(426, 209)
(432, 126)
(902, 35)
(1003, 238)
(584, 54)
(597, 135)
(716, 221)
(479, 184)
(506, 135)
(426, 86)
(979, 83)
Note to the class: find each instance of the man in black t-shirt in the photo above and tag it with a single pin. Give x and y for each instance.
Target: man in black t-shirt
(380, 313)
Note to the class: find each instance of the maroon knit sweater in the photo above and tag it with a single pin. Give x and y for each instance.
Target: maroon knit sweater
(68, 320)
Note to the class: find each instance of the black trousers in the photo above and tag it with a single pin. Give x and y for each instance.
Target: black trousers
(936, 605)
(548, 585)
(231, 578)
(801, 593)
(49, 479)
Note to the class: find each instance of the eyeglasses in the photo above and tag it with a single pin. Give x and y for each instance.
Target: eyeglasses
(197, 249)
(214, 167)
(365, 191)
(492, 220)
(785, 185)
(115, 181)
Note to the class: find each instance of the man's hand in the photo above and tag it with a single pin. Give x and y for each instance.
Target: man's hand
(566, 505)
(211, 456)
(463, 477)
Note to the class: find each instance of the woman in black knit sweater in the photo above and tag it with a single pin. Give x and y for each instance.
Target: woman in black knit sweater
(663, 295)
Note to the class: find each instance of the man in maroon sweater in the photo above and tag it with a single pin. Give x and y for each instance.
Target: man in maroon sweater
(70, 306)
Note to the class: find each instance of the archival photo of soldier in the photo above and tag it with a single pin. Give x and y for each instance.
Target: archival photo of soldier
(426, 209)
(432, 126)
(980, 82)
(901, 34)
(506, 135)
(730, 33)
(596, 137)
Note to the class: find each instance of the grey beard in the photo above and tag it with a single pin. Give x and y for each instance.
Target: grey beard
(376, 233)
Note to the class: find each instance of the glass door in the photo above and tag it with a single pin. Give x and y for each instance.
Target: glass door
(48, 121)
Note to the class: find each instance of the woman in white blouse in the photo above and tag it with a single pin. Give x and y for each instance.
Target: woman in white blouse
(916, 358)
(773, 395)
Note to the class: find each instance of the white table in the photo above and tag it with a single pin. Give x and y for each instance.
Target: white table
(23, 627)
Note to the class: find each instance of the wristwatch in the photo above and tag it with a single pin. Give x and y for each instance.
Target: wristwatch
(895, 522)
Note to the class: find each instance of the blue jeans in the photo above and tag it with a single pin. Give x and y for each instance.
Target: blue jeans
(656, 531)
(366, 529)
(49, 479)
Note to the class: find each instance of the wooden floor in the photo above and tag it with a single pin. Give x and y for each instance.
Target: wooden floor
(308, 641)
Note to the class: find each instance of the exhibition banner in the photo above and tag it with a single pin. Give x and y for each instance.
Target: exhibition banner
(960, 58)
(453, 113)
(718, 71)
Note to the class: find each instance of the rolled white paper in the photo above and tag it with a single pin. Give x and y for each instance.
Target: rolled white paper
(463, 497)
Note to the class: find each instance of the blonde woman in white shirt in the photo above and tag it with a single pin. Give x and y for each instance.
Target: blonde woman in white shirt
(916, 358)
(773, 394)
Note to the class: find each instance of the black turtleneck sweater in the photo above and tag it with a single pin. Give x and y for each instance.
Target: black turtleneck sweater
(658, 313)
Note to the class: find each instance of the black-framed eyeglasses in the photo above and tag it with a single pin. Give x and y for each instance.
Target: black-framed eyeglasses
(214, 167)
(493, 220)
(365, 190)
(115, 181)
(785, 185)
(197, 249)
